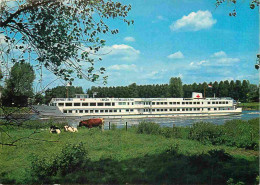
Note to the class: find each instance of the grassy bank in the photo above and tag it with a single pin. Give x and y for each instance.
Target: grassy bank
(143, 154)
(249, 106)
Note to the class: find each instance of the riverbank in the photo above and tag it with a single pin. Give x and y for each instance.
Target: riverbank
(144, 154)
(250, 106)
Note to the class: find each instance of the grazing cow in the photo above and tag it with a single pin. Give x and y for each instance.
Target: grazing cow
(70, 129)
(95, 122)
(54, 130)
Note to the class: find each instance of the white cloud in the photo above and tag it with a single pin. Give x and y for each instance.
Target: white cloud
(177, 55)
(122, 67)
(194, 21)
(160, 17)
(120, 52)
(219, 54)
(129, 39)
(227, 61)
(202, 62)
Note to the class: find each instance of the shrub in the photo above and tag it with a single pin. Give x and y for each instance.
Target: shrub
(148, 128)
(205, 133)
(243, 134)
(72, 159)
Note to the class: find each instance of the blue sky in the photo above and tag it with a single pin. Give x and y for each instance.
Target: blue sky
(191, 39)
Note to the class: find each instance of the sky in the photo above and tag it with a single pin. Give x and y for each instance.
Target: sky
(191, 39)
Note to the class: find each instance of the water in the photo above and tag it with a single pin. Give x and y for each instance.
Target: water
(183, 121)
(167, 122)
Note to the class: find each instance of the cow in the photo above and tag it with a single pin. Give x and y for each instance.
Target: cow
(70, 129)
(95, 122)
(54, 130)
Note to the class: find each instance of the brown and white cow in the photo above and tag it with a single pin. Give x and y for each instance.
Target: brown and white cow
(70, 129)
(94, 122)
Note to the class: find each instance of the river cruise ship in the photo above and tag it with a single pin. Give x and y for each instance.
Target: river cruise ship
(82, 106)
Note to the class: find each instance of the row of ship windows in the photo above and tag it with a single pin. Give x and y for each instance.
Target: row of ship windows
(131, 103)
(144, 110)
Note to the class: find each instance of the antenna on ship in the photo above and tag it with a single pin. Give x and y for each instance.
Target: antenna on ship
(94, 94)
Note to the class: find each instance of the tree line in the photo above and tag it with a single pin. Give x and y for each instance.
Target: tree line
(239, 90)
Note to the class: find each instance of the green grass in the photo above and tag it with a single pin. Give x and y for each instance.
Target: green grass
(249, 106)
(117, 156)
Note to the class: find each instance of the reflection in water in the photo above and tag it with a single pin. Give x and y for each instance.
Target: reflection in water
(177, 121)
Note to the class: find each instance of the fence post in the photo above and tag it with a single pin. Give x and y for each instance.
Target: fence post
(109, 125)
(126, 126)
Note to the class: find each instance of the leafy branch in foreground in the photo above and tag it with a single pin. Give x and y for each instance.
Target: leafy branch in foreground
(61, 35)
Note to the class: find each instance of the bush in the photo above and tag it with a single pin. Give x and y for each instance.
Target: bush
(243, 134)
(148, 128)
(205, 133)
(72, 159)
(113, 126)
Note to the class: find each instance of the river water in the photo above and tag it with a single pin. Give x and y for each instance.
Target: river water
(167, 122)
(183, 121)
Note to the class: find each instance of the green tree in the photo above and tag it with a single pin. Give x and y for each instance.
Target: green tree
(61, 92)
(244, 93)
(175, 87)
(60, 35)
(18, 87)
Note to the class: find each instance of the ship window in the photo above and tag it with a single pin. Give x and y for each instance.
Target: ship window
(216, 102)
(131, 110)
(76, 104)
(80, 111)
(153, 103)
(122, 103)
(158, 110)
(165, 110)
(158, 103)
(70, 111)
(162, 110)
(174, 102)
(84, 104)
(96, 111)
(107, 104)
(110, 110)
(226, 102)
(68, 104)
(187, 102)
(119, 110)
(170, 103)
(86, 111)
(174, 109)
(215, 108)
(101, 111)
(213, 102)
(161, 103)
(76, 111)
(100, 104)
(208, 108)
(208, 102)
(187, 109)
(194, 102)
(199, 102)
(92, 104)
(190, 109)
(178, 109)
(113, 104)
(127, 110)
(61, 104)
(165, 103)
(190, 102)
(127, 103)
(183, 102)
(170, 109)
(106, 110)
(64, 111)
(153, 110)
(91, 111)
(115, 110)
(183, 109)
